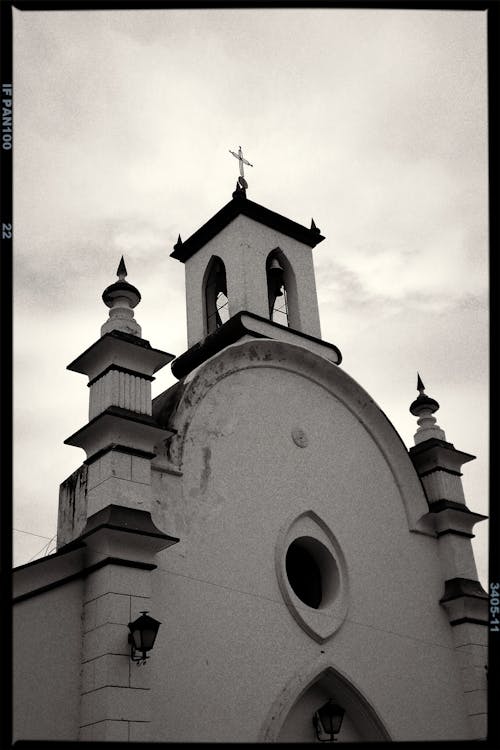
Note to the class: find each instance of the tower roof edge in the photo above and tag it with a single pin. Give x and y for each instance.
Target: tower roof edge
(252, 210)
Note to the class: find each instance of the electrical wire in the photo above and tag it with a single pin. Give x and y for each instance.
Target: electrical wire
(21, 531)
(405, 636)
(44, 549)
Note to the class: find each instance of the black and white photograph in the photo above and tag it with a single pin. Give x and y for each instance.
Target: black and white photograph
(250, 301)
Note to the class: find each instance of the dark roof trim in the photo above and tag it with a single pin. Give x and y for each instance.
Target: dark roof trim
(48, 587)
(455, 588)
(120, 518)
(456, 533)
(473, 620)
(83, 574)
(184, 250)
(119, 368)
(70, 547)
(127, 337)
(438, 505)
(228, 334)
(115, 411)
(426, 445)
(119, 449)
(440, 468)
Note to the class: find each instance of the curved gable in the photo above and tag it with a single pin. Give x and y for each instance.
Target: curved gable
(268, 354)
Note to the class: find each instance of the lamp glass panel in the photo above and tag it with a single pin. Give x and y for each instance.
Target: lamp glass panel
(136, 636)
(331, 718)
(148, 638)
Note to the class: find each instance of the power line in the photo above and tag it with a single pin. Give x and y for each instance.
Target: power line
(44, 549)
(21, 531)
(276, 601)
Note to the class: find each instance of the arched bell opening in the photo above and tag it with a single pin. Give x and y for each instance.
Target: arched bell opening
(215, 294)
(359, 722)
(281, 290)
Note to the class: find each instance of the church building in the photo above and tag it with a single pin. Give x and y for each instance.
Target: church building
(253, 555)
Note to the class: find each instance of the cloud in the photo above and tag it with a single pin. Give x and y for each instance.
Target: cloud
(372, 121)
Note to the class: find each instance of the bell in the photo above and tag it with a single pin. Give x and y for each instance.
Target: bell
(274, 266)
(220, 281)
(276, 274)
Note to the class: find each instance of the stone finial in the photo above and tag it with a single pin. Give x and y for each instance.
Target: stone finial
(314, 228)
(121, 297)
(240, 191)
(424, 407)
(122, 269)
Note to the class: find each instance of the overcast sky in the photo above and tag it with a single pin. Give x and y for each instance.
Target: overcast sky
(373, 122)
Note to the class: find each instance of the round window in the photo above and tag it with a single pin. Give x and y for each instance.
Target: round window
(312, 572)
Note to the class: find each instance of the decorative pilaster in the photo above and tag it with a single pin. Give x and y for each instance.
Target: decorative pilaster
(116, 693)
(106, 506)
(438, 465)
(120, 436)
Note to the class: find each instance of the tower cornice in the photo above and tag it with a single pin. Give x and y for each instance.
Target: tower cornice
(438, 454)
(245, 324)
(184, 250)
(120, 426)
(116, 347)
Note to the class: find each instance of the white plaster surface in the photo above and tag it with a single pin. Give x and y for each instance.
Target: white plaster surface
(457, 557)
(243, 246)
(111, 690)
(109, 731)
(117, 388)
(115, 704)
(230, 662)
(119, 491)
(229, 645)
(439, 484)
(47, 641)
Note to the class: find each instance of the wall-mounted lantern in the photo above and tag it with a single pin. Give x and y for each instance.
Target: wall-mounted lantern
(327, 721)
(142, 636)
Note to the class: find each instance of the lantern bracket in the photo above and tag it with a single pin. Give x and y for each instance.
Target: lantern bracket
(142, 637)
(133, 651)
(327, 721)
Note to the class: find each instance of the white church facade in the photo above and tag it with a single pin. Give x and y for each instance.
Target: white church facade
(304, 566)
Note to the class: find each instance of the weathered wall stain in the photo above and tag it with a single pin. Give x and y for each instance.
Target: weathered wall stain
(206, 471)
(72, 506)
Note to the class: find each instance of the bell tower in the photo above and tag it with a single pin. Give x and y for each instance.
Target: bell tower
(248, 258)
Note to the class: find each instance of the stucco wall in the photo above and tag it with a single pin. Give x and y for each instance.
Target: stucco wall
(244, 246)
(47, 643)
(72, 514)
(230, 658)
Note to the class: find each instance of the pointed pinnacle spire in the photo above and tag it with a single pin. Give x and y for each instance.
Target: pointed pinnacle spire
(314, 228)
(424, 407)
(121, 297)
(122, 270)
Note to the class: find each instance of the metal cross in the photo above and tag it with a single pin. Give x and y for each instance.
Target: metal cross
(241, 160)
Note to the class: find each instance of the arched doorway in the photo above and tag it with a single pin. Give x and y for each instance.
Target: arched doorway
(360, 722)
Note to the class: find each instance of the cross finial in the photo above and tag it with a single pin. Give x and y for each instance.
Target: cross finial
(242, 161)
